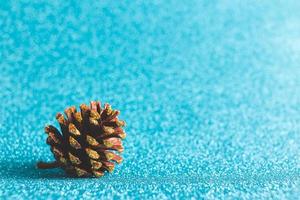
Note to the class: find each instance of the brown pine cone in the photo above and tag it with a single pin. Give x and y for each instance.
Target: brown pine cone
(88, 141)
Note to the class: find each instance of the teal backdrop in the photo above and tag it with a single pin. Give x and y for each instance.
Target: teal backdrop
(210, 91)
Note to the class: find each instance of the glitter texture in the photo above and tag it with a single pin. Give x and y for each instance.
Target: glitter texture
(209, 90)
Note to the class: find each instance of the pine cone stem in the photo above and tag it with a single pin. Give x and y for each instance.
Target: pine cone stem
(48, 165)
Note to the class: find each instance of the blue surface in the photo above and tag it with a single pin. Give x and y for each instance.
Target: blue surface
(209, 89)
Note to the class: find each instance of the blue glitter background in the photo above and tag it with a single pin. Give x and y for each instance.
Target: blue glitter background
(210, 91)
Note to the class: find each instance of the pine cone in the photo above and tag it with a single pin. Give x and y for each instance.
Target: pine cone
(88, 141)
